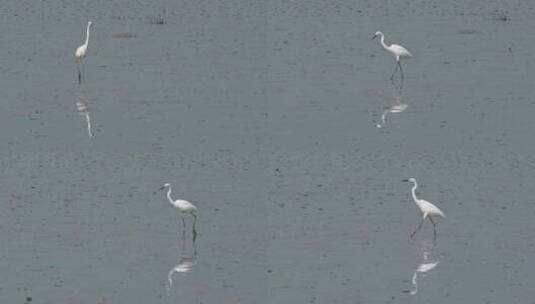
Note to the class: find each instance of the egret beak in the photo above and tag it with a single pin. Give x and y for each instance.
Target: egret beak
(404, 180)
(374, 37)
(161, 188)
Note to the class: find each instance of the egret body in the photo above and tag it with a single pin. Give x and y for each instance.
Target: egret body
(428, 209)
(398, 51)
(183, 206)
(81, 51)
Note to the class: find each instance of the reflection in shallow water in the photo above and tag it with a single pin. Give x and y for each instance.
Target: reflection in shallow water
(396, 107)
(186, 263)
(82, 107)
(422, 268)
(425, 266)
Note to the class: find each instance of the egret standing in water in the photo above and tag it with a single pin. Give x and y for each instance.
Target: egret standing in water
(397, 50)
(429, 210)
(184, 206)
(81, 51)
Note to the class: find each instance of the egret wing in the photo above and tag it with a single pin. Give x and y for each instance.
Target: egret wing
(190, 206)
(403, 52)
(431, 209)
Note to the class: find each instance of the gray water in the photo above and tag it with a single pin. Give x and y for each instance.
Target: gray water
(264, 113)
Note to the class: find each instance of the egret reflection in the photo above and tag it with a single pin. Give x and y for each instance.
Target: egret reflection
(82, 107)
(427, 264)
(422, 268)
(185, 265)
(396, 107)
(186, 262)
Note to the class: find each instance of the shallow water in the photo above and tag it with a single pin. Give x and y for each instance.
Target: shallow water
(264, 115)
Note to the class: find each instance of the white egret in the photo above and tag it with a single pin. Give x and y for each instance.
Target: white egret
(428, 209)
(81, 51)
(397, 50)
(184, 206)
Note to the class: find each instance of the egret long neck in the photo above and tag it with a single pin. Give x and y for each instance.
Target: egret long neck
(413, 191)
(169, 195)
(383, 41)
(87, 35)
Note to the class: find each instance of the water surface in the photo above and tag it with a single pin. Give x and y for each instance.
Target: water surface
(264, 115)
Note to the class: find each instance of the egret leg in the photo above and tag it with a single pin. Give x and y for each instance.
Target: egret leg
(193, 239)
(194, 246)
(395, 70)
(194, 236)
(79, 75)
(183, 223)
(83, 72)
(194, 223)
(401, 83)
(434, 228)
(183, 245)
(418, 228)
